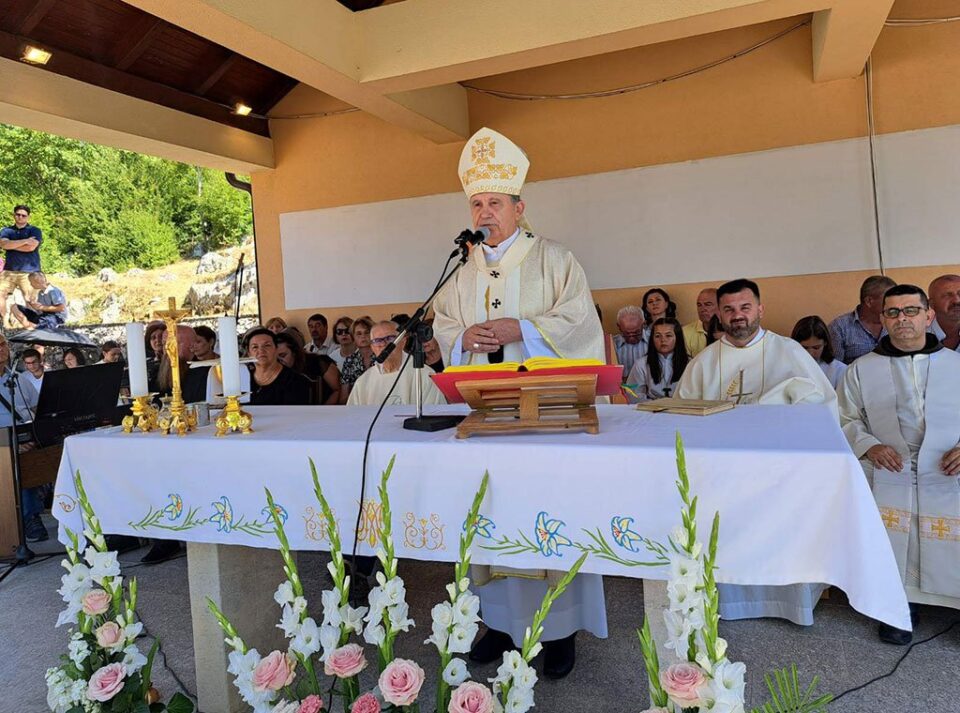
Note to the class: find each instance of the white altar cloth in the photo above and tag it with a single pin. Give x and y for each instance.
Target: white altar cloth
(794, 504)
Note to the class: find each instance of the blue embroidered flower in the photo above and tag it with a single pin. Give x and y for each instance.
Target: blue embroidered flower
(482, 526)
(223, 514)
(279, 509)
(623, 535)
(175, 508)
(548, 535)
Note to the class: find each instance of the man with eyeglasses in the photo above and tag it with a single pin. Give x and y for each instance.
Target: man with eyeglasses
(900, 413)
(375, 383)
(21, 241)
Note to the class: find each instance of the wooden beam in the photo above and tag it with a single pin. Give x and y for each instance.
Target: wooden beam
(100, 75)
(844, 36)
(45, 101)
(216, 75)
(132, 52)
(30, 21)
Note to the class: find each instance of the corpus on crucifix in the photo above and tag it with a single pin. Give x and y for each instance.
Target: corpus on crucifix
(179, 419)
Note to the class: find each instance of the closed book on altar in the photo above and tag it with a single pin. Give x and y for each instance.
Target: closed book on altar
(688, 407)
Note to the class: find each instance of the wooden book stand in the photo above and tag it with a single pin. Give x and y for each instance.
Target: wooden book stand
(530, 403)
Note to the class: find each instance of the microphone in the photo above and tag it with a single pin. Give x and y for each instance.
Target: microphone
(473, 237)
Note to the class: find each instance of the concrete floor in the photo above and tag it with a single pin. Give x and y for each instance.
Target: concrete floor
(841, 648)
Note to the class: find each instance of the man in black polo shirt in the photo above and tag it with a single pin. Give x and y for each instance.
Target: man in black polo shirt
(21, 241)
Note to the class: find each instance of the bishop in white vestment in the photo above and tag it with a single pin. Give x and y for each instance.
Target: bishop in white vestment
(519, 296)
(751, 365)
(901, 415)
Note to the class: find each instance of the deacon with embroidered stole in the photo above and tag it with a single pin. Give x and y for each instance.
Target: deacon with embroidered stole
(750, 365)
(900, 411)
(519, 296)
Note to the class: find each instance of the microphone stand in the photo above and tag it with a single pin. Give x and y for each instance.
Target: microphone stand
(23, 553)
(418, 333)
(237, 288)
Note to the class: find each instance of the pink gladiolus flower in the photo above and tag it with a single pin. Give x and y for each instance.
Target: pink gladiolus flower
(106, 682)
(367, 703)
(109, 635)
(96, 602)
(345, 662)
(681, 682)
(274, 672)
(400, 682)
(471, 697)
(311, 704)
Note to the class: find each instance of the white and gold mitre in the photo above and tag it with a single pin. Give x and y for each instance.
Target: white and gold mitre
(492, 163)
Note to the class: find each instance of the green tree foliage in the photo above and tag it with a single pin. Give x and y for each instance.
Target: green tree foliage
(102, 207)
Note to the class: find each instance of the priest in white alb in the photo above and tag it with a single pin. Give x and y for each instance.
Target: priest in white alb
(376, 382)
(900, 412)
(752, 365)
(519, 296)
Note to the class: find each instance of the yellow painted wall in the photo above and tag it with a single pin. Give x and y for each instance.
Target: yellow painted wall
(761, 101)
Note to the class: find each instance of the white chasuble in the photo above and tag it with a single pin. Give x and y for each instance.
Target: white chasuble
(910, 404)
(770, 370)
(374, 384)
(537, 281)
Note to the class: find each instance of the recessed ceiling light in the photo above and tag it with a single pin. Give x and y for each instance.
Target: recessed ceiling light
(35, 55)
(241, 109)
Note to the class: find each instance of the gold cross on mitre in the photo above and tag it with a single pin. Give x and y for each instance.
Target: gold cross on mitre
(171, 313)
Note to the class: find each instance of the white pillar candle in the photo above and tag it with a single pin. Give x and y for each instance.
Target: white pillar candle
(229, 355)
(137, 360)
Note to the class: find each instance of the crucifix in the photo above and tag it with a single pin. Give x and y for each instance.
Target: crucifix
(740, 394)
(179, 420)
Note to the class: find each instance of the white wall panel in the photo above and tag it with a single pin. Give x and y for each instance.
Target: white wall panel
(797, 210)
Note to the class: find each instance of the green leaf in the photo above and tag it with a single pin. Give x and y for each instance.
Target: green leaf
(147, 671)
(140, 707)
(180, 704)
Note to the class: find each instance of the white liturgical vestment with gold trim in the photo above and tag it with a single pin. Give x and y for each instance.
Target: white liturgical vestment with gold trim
(910, 403)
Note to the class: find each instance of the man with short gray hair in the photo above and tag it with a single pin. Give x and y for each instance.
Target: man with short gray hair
(945, 301)
(629, 343)
(858, 332)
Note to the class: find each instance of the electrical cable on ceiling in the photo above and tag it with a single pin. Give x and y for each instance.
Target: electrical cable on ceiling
(919, 21)
(871, 137)
(516, 96)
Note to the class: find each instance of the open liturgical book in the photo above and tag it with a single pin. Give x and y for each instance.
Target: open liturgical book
(608, 377)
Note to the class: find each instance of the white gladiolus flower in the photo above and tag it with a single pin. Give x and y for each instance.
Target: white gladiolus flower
(439, 637)
(69, 615)
(235, 643)
(102, 564)
(467, 609)
(242, 664)
(525, 678)
(721, 648)
(77, 579)
(289, 621)
(299, 605)
(678, 633)
(352, 618)
(329, 639)
(461, 638)
(452, 591)
(399, 621)
(456, 672)
(519, 700)
(442, 614)
(536, 649)
(683, 598)
(729, 677)
(286, 707)
(284, 593)
(330, 599)
(679, 535)
(374, 634)
(307, 640)
(686, 569)
(133, 659)
(131, 631)
(393, 591)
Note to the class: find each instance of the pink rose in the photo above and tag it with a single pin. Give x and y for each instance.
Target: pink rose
(367, 703)
(471, 697)
(311, 704)
(109, 635)
(274, 672)
(106, 682)
(96, 602)
(345, 662)
(681, 682)
(400, 682)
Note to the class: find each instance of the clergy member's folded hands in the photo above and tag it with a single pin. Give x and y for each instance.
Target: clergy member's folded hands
(480, 338)
(885, 457)
(951, 461)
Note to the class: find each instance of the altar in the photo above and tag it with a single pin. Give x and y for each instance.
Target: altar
(793, 501)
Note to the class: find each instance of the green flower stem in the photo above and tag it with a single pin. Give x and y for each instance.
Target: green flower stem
(651, 660)
(711, 609)
(388, 558)
(689, 511)
(336, 548)
(531, 637)
(225, 624)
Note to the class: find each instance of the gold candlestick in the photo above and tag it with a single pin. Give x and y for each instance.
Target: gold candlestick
(143, 416)
(233, 418)
(180, 420)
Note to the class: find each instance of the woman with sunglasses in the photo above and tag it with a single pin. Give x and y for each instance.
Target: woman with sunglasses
(343, 345)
